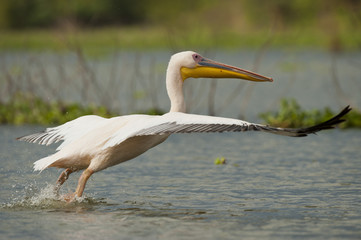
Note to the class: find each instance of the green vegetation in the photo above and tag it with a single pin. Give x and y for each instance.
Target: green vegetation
(151, 111)
(291, 115)
(25, 108)
(99, 26)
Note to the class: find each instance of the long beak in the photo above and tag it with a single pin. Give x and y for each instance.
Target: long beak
(207, 68)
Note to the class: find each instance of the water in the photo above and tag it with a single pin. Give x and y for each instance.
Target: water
(272, 187)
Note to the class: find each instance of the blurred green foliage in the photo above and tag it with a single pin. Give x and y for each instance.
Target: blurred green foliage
(291, 115)
(334, 23)
(19, 14)
(49, 13)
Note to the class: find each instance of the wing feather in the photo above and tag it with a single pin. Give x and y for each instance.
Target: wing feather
(67, 132)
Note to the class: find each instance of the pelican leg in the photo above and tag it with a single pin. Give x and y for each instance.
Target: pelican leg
(81, 185)
(62, 178)
(82, 181)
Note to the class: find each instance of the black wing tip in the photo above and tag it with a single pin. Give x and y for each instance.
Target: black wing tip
(338, 118)
(344, 111)
(329, 124)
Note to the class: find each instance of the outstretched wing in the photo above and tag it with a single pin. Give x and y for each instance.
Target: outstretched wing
(188, 123)
(176, 122)
(68, 132)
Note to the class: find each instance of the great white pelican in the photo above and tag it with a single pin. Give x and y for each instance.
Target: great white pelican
(95, 143)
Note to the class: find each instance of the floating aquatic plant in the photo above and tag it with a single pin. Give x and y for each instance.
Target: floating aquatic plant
(220, 161)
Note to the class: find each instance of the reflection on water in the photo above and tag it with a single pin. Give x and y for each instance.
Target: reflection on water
(272, 187)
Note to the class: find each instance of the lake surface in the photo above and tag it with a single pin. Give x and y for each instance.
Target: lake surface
(272, 187)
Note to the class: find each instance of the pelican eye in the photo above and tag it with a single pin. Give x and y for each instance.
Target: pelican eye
(197, 57)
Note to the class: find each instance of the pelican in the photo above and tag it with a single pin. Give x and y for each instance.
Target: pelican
(92, 143)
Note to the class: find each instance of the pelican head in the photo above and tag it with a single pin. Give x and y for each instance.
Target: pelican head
(194, 65)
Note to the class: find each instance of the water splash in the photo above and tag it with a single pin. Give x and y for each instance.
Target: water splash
(34, 198)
